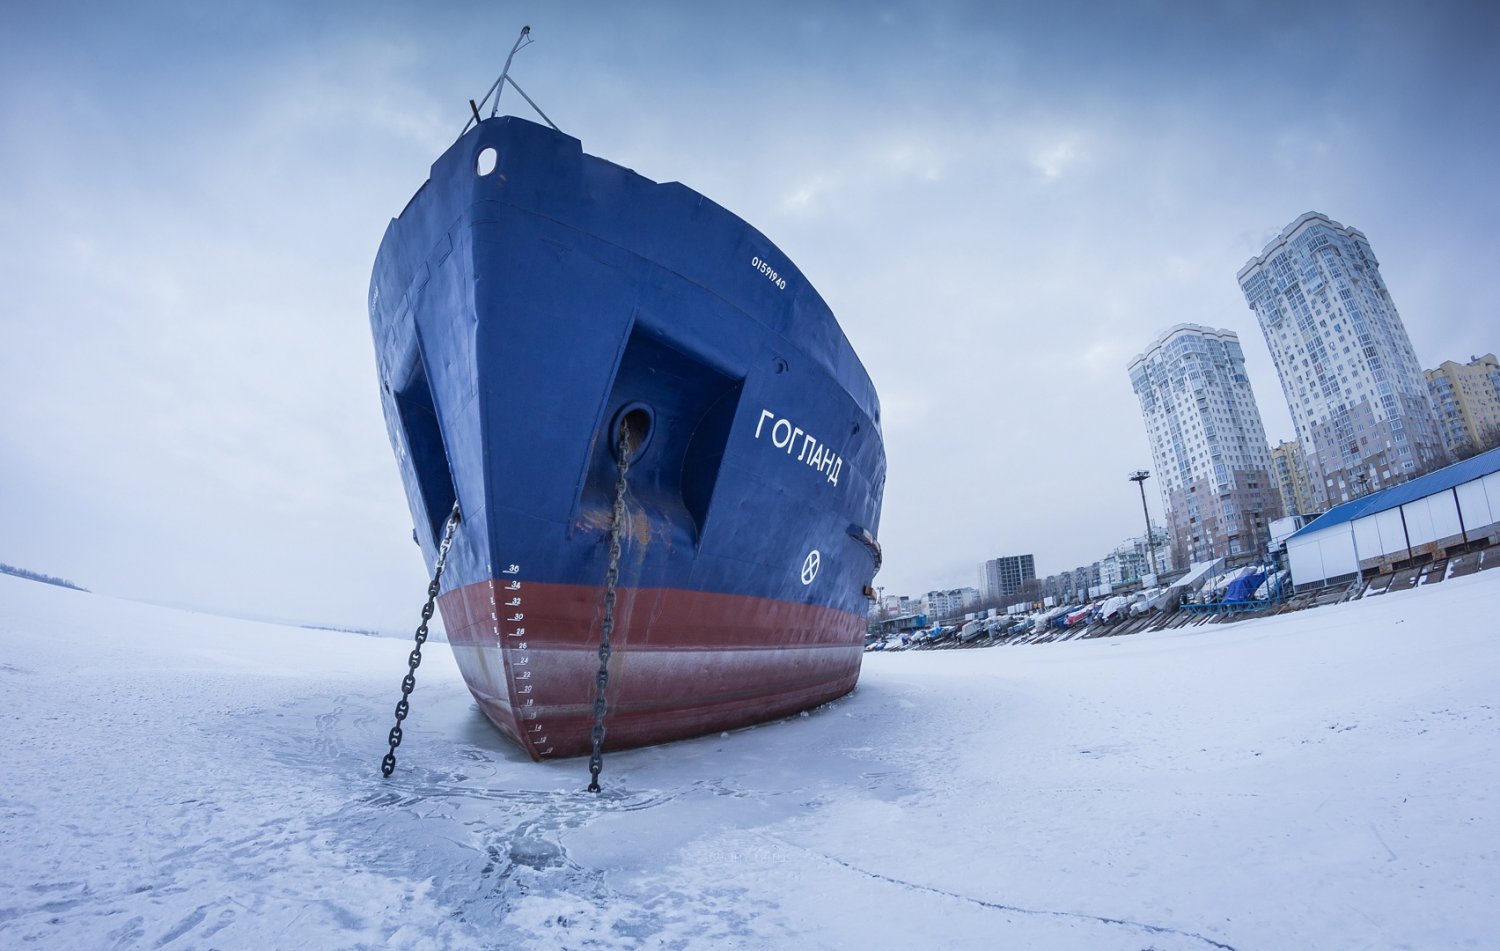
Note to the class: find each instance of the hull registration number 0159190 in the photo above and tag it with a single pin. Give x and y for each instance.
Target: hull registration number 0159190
(768, 271)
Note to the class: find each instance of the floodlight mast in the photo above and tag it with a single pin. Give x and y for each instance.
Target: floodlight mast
(1139, 477)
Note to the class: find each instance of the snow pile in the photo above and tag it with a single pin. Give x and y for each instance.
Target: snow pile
(1318, 779)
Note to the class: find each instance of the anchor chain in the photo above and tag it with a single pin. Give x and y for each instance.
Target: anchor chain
(607, 623)
(409, 682)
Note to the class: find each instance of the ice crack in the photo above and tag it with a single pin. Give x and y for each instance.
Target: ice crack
(1040, 912)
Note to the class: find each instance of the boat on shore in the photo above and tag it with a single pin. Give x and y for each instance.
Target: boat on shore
(537, 312)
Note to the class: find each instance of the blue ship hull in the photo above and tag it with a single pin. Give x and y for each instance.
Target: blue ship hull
(529, 301)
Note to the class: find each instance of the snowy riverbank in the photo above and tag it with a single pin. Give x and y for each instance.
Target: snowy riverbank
(1324, 779)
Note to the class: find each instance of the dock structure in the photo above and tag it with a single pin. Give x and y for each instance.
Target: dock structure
(1227, 612)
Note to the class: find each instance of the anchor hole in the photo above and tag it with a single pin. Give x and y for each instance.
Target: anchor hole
(639, 421)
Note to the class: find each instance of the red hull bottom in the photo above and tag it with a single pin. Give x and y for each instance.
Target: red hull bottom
(684, 663)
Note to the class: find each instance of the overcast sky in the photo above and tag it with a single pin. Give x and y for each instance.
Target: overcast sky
(1002, 203)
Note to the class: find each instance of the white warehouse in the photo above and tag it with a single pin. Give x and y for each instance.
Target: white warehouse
(1442, 513)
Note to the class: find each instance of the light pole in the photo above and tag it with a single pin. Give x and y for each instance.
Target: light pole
(1139, 477)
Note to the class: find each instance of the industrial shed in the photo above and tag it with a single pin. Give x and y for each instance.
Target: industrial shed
(1440, 514)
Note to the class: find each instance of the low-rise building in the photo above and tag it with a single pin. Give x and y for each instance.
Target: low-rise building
(954, 602)
(1289, 470)
(1131, 560)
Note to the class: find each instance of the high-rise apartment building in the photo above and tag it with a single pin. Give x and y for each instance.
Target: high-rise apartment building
(1000, 578)
(1289, 468)
(1466, 397)
(1207, 441)
(1358, 398)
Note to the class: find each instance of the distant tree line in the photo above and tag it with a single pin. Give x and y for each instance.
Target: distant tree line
(1031, 589)
(38, 576)
(343, 630)
(1489, 439)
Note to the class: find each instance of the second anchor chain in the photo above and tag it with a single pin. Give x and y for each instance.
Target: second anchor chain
(409, 682)
(607, 623)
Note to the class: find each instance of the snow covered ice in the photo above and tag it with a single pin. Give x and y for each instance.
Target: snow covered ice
(1324, 779)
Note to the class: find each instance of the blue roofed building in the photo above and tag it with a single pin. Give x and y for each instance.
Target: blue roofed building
(1456, 508)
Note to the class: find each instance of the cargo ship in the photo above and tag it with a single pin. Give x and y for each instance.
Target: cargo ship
(537, 312)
